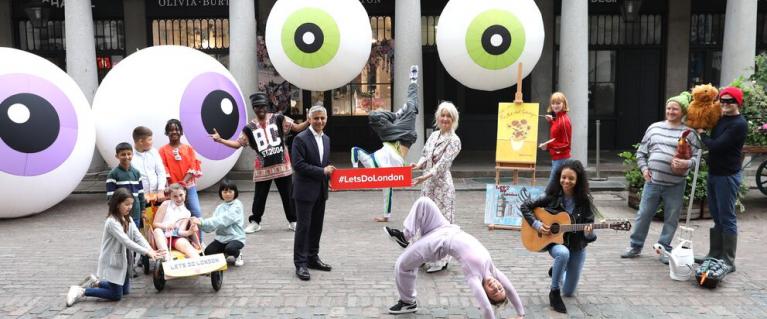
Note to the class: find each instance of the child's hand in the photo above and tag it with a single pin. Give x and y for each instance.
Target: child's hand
(160, 196)
(155, 254)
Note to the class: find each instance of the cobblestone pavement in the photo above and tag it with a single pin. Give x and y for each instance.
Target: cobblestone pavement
(40, 256)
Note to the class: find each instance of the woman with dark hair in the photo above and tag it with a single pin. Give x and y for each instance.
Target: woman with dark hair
(120, 235)
(567, 192)
(227, 223)
(181, 164)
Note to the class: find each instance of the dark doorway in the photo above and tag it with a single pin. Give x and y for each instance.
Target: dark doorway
(638, 95)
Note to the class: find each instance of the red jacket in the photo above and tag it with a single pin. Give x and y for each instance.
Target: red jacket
(562, 132)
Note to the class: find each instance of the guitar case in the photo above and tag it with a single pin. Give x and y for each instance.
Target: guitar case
(711, 272)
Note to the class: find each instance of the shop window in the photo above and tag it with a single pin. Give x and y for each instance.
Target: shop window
(706, 34)
(429, 30)
(201, 34)
(602, 65)
(371, 89)
(613, 30)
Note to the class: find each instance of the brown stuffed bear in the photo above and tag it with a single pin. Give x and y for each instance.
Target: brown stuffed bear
(704, 110)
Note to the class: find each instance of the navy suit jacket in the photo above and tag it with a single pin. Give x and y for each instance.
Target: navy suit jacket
(309, 180)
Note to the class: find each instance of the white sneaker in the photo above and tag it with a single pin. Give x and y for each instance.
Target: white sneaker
(239, 262)
(252, 228)
(75, 294)
(292, 226)
(90, 281)
(440, 265)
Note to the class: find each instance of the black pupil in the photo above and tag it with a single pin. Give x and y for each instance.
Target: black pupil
(213, 116)
(488, 35)
(35, 134)
(313, 29)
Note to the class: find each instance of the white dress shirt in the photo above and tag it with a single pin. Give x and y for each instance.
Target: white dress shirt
(318, 139)
(149, 164)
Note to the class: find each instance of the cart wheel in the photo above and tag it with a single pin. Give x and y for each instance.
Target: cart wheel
(217, 279)
(145, 264)
(761, 177)
(158, 278)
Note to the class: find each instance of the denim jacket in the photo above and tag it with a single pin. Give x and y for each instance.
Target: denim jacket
(574, 241)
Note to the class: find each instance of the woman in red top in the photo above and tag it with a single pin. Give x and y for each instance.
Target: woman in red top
(181, 164)
(561, 132)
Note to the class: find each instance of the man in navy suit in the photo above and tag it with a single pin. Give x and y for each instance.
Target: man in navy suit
(311, 163)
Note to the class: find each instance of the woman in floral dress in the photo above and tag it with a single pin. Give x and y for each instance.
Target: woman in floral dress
(439, 152)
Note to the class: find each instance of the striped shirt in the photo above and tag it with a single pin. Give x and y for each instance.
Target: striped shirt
(131, 180)
(657, 149)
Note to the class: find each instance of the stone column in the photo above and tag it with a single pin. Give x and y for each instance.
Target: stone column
(81, 56)
(135, 25)
(408, 51)
(739, 46)
(678, 49)
(6, 27)
(541, 77)
(242, 59)
(573, 71)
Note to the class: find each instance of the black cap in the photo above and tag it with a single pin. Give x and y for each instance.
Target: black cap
(259, 99)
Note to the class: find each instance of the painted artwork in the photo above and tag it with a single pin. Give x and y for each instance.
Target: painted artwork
(517, 137)
(502, 202)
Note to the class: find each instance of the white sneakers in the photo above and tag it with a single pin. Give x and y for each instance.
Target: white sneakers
(90, 281)
(239, 262)
(74, 295)
(252, 228)
(292, 226)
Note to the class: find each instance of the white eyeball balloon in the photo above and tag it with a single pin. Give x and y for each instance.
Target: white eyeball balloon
(159, 83)
(318, 45)
(481, 42)
(46, 134)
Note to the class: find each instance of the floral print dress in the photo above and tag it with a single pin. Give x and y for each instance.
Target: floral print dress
(438, 155)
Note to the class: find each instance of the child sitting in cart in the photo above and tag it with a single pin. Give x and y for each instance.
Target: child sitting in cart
(172, 221)
(227, 223)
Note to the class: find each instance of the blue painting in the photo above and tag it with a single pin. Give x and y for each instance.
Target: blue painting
(502, 202)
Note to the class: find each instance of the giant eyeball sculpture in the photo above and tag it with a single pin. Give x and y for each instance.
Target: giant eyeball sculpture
(159, 83)
(46, 134)
(481, 42)
(318, 45)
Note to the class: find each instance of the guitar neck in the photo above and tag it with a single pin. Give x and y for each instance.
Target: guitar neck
(581, 227)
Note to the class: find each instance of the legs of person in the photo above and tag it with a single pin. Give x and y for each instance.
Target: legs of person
(673, 200)
(301, 241)
(388, 194)
(555, 164)
(715, 233)
(406, 268)
(726, 188)
(233, 248)
(315, 230)
(284, 186)
(193, 203)
(422, 218)
(361, 156)
(574, 268)
(259, 200)
(215, 247)
(561, 256)
(648, 205)
(183, 245)
(160, 241)
(106, 290)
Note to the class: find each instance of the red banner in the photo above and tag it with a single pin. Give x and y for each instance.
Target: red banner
(366, 178)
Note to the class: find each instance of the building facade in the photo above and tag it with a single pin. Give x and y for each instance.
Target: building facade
(635, 59)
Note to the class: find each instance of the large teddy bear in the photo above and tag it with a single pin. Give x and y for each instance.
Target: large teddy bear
(704, 110)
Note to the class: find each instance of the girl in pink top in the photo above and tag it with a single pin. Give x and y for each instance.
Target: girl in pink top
(439, 238)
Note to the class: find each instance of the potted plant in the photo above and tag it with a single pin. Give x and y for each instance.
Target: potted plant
(633, 176)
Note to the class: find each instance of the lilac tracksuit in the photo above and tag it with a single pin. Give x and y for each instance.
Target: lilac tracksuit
(438, 238)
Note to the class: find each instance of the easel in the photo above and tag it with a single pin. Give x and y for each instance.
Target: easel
(512, 166)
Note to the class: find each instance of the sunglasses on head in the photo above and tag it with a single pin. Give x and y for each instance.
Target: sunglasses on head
(728, 101)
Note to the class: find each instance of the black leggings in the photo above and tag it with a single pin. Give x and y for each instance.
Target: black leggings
(231, 248)
(284, 186)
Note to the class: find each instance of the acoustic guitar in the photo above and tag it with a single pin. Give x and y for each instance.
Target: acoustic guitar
(560, 224)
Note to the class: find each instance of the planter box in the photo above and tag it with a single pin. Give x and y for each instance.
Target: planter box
(633, 198)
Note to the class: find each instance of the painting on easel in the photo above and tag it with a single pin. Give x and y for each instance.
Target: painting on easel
(502, 203)
(517, 137)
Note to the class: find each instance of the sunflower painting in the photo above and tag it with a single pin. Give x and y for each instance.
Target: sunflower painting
(517, 137)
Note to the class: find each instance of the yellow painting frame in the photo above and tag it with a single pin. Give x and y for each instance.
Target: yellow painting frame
(517, 134)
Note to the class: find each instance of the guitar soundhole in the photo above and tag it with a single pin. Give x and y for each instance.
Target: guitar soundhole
(554, 228)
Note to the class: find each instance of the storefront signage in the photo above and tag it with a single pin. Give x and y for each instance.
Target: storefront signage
(604, 1)
(371, 1)
(192, 3)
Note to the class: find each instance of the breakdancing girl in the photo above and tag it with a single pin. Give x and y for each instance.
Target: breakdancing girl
(438, 238)
(397, 132)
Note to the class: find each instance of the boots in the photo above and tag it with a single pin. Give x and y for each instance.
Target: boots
(556, 302)
(729, 246)
(715, 240)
